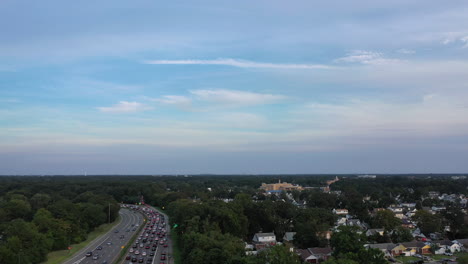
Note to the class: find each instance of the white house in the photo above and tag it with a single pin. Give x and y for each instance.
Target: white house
(340, 211)
(264, 238)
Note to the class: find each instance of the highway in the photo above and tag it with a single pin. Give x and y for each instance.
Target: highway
(153, 242)
(111, 242)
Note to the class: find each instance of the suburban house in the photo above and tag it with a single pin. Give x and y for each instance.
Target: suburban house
(449, 246)
(315, 255)
(288, 236)
(407, 224)
(373, 231)
(262, 240)
(340, 211)
(418, 246)
(389, 249)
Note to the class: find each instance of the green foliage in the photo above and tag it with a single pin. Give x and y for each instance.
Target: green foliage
(279, 254)
(386, 219)
(401, 234)
(427, 222)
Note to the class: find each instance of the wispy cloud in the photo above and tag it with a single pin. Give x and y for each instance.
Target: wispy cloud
(366, 57)
(239, 63)
(174, 100)
(208, 98)
(235, 97)
(406, 51)
(125, 107)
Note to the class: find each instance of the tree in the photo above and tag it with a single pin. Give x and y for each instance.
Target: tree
(347, 243)
(278, 254)
(427, 222)
(401, 234)
(386, 219)
(346, 240)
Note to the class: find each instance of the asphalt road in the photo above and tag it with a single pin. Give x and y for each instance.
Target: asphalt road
(160, 249)
(110, 251)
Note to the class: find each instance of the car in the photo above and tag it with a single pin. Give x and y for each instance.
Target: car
(116, 231)
(128, 257)
(165, 245)
(150, 260)
(89, 254)
(143, 253)
(109, 243)
(99, 248)
(151, 254)
(137, 252)
(134, 259)
(147, 247)
(131, 250)
(95, 256)
(153, 249)
(104, 262)
(163, 257)
(140, 260)
(122, 236)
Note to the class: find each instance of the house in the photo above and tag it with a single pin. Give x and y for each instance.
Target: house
(435, 236)
(389, 249)
(373, 231)
(289, 236)
(418, 247)
(315, 255)
(407, 224)
(262, 240)
(340, 211)
(384, 247)
(324, 234)
(450, 246)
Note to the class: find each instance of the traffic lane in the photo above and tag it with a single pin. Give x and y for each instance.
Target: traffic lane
(113, 251)
(167, 250)
(110, 252)
(107, 250)
(78, 257)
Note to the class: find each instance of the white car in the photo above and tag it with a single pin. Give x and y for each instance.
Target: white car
(143, 253)
(131, 250)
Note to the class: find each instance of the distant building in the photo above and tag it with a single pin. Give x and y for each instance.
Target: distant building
(280, 186)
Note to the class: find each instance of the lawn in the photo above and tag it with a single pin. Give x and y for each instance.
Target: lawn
(56, 257)
(406, 259)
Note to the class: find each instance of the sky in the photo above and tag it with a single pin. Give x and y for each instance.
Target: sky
(227, 87)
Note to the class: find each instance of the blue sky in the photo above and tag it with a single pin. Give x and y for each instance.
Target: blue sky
(187, 87)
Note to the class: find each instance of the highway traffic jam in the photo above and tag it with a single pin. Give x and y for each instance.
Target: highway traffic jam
(150, 246)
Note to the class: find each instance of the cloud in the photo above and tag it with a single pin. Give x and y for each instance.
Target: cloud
(235, 97)
(125, 107)
(174, 100)
(366, 57)
(406, 51)
(239, 63)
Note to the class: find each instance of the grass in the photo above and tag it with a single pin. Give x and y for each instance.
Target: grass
(406, 259)
(59, 256)
(175, 247)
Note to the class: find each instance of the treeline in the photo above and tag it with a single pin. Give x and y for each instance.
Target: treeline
(39, 215)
